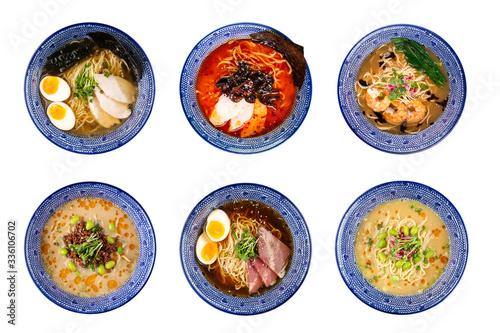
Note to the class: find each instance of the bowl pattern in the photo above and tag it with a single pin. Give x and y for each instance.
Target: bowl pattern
(77, 144)
(346, 258)
(281, 292)
(204, 128)
(114, 299)
(393, 143)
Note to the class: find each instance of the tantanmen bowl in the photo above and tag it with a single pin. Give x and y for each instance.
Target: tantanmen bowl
(115, 298)
(90, 144)
(346, 257)
(394, 143)
(198, 120)
(281, 291)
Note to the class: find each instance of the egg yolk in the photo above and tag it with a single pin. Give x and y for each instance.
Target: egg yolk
(209, 251)
(50, 85)
(215, 229)
(57, 112)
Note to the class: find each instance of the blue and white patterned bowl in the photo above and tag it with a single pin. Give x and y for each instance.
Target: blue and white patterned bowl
(393, 143)
(200, 123)
(77, 144)
(279, 293)
(147, 253)
(346, 258)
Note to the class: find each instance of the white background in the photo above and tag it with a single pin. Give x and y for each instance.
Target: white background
(322, 168)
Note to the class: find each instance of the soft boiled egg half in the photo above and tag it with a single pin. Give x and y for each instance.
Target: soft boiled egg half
(217, 226)
(206, 250)
(61, 116)
(54, 89)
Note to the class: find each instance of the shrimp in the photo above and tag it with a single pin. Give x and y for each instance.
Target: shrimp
(376, 101)
(416, 111)
(396, 113)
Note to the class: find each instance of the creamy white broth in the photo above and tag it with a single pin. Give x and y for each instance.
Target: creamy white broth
(377, 222)
(86, 282)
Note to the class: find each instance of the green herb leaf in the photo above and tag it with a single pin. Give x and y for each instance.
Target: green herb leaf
(88, 249)
(418, 58)
(245, 248)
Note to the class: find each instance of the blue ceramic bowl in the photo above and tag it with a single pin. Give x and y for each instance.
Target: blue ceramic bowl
(346, 258)
(279, 293)
(200, 123)
(114, 299)
(77, 144)
(393, 143)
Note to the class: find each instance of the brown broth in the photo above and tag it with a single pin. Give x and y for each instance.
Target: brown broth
(266, 216)
(86, 282)
(435, 100)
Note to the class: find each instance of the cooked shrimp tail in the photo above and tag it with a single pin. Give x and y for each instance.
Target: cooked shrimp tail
(377, 100)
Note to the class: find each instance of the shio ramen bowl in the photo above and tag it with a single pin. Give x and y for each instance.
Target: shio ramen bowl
(277, 294)
(347, 258)
(401, 143)
(98, 142)
(36, 235)
(213, 135)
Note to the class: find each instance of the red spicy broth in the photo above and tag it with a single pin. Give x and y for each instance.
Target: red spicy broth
(223, 62)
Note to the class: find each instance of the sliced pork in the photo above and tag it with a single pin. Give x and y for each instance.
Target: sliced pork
(273, 252)
(254, 280)
(267, 275)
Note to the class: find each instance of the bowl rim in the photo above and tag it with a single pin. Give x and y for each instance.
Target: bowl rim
(461, 102)
(143, 283)
(26, 84)
(185, 234)
(248, 150)
(357, 202)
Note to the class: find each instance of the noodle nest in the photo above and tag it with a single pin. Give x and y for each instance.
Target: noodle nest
(413, 273)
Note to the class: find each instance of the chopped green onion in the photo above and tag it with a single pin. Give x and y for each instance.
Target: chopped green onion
(85, 84)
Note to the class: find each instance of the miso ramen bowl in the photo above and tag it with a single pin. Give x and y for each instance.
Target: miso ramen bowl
(401, 143)
(113, 299)
(347, 261)
(202, 125)
(279, 293)
(89, 144)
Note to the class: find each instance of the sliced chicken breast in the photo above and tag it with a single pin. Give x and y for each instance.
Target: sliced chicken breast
(226, 109)
(116, 109)
(243, 116)
(116, 88)
(102, 117)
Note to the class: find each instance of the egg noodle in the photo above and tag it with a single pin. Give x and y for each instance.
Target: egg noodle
(103, 59)
(411, 274)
